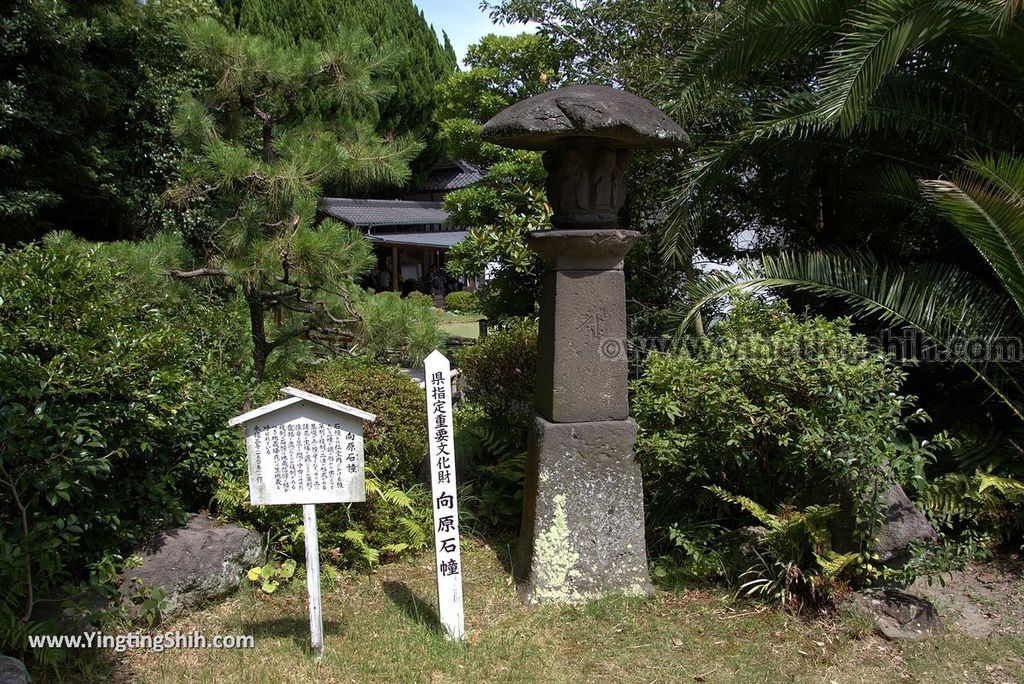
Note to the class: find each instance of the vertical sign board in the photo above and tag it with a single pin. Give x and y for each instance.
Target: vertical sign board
(306, 450)
(447, 547)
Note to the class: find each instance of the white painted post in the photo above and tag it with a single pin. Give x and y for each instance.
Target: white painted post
(316, 620)
(443, 485)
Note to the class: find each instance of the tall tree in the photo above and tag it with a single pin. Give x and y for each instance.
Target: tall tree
(259, 156)
(87, 96)
(509, 202)
(417, 60)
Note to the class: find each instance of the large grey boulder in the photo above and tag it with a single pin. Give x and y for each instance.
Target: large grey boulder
(12, 671)
(202, 561)
(902, 526)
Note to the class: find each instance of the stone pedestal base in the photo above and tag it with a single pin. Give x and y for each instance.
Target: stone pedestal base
(583, 514)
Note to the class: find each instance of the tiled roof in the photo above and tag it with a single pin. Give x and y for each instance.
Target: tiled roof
(368, 213)
(441, 239)
(457, 174)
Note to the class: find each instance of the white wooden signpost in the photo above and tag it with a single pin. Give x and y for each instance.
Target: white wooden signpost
(447, 546)
(306, 450)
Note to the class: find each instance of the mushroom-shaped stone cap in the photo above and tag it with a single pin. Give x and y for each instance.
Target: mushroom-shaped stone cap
(585, 111)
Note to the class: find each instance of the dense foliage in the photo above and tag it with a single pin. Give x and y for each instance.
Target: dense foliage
(415, 62)
(498, 373)
(394, 517)
(89, 90)
(782, 410)
(112, 389)
(396, 443)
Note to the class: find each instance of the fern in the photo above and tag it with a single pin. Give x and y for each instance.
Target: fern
(367, 552)
(795, 559)
(834, 564)
(980, 498)
(749, 505)
(414, 531)
(1012, 489)
(417, 535)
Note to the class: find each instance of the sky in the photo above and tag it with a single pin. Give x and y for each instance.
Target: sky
(464, 22)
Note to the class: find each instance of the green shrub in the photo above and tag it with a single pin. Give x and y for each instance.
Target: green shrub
(509, 294)
(462, 302)
(498, 374)
(108, 386)
(420, 299)
(774, 408)
(395, 516)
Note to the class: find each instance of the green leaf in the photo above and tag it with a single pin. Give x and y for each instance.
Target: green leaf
(287, 569)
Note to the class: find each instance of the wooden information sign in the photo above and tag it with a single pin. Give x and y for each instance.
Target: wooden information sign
(306, 450)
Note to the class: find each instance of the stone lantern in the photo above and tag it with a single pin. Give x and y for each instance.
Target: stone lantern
(582, 535)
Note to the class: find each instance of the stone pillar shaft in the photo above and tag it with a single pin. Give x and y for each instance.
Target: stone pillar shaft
(583, 520)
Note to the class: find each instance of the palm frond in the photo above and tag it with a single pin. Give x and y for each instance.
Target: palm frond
(945, 304)
(986, 202)
(883, 33)
(756, 35)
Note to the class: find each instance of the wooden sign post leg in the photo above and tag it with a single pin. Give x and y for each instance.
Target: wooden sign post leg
(316, 620)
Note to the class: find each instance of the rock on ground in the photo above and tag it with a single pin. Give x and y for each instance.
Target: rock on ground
(12, 671)
(903, 525)
(898, 615)
(202, 561)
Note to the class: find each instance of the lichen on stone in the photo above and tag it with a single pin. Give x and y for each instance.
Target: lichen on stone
(554, 559)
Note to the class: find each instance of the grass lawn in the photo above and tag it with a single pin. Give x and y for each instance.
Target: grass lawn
(461, 325)
(382, 627)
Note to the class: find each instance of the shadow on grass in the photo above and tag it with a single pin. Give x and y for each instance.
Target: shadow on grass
(297, 629)
(504, 548)
(413, 606)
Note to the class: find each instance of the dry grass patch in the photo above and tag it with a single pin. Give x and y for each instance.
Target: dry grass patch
(382, 627)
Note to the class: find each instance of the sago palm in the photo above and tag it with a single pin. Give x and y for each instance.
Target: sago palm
(853, 100)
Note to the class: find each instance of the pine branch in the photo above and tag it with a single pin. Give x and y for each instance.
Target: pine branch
(200, 273)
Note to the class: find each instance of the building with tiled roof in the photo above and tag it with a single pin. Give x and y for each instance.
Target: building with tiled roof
(447, 176)
(410, 234)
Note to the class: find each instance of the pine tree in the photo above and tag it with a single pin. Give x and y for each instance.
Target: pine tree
(418, 63)
(259, 157)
